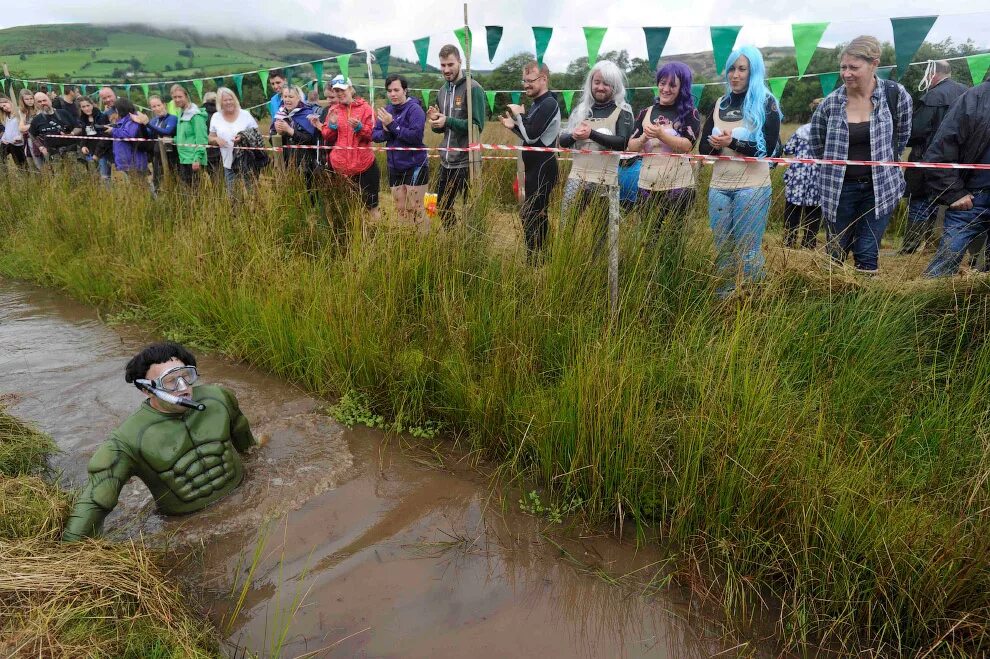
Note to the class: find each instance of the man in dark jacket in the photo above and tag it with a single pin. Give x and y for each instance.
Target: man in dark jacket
(928, 115)
(51, 127)
(964, 138)
(67, 101)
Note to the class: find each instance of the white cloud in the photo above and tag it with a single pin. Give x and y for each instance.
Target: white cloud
(373, 24)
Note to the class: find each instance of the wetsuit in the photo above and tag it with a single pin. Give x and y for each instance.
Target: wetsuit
(188, 460)
(539, 126)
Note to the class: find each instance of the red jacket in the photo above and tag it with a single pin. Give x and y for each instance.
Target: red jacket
(351, 162)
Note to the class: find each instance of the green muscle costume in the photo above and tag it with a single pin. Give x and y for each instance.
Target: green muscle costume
(188, 460)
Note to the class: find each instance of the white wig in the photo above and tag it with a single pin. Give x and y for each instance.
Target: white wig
(611, 74)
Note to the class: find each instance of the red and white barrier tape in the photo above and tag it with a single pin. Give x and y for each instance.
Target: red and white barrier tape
(708, 159)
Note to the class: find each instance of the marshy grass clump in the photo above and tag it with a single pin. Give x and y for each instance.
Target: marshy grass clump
(816, 450)
(92, 598)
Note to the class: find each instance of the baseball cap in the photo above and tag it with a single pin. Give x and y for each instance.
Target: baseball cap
(340, 82)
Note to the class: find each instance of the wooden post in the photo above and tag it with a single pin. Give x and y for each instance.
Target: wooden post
(163, 156)
(279, 154)
(473, 159)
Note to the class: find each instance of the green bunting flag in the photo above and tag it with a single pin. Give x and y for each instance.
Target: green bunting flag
(656, 40)
(82, 89)
(494, 34)
(491, 100)
(806, 39)
(516, 97)
(723, 41)
(239, 83)
(594, 36)
(344, 62)
(127, 90)
(463, 35)
(61, 89)
(198, 84)
(777, 86)
(264, 82)
(318, 72)
(542, 37)
(696, 91)
(630, 92)
(828, 81)
(382, 56)
(146, 88)
(423, 50)
(425, 93)
(978, 66)
(909, 34)
(568, 96)
(884, 72)
(218, 82)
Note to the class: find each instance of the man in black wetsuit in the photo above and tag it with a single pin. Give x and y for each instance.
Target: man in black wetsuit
(538, 126)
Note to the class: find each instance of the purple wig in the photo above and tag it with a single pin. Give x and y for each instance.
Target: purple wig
(684, 105)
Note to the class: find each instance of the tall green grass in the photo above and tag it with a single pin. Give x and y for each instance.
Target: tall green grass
(817, 450)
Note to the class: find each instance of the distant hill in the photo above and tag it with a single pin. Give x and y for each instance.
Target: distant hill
(135, 52)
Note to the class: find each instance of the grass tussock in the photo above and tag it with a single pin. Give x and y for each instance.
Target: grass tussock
(816, 450)
(92, 598)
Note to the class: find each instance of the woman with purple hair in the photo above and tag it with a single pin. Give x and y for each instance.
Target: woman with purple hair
(670, 126)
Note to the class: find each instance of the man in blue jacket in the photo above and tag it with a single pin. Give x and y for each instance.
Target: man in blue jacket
(277, 81)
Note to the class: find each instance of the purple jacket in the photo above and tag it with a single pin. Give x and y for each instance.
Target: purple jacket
(406, 129)
(126, 155)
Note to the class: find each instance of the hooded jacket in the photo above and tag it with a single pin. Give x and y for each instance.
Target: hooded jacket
(928, 115)
(351, 162)
(304, 134)
(963, 137)
(406, 130)
(191, 136)
(126, 155)
(452, 101)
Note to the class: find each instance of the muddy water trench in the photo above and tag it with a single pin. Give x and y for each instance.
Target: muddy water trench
(391, 556)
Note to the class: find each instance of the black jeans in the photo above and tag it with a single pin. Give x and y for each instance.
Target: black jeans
(797, 218)
(15, 151)
(451, 183)
(540, 180)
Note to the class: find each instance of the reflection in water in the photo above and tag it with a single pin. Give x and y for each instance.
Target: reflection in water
(394, 559)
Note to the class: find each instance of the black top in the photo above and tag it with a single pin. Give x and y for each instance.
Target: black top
(93, 126)
(623, 129)
(689, 130)
(71, 108)
(980, 178)
(542, 115)
(859, 149)
(47, 127)
(733, 112)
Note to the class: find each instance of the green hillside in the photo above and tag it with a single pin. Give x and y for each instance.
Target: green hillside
(90, 52)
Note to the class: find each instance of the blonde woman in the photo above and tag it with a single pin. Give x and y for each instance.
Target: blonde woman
(867, 118)
(11, 139)
(225, 126)
(25, 105)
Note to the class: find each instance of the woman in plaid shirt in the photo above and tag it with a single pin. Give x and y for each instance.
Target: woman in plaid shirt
(864, 119)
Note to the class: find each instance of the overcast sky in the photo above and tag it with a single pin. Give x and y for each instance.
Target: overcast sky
(374, 23)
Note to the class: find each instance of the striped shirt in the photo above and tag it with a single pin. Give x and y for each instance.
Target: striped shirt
(829, 139)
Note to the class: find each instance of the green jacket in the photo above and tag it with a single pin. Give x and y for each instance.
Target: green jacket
(192, 136)
(188, 460)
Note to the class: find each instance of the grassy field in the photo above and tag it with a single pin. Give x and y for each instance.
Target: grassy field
(81, 49)
(93, 598)
(815, 451)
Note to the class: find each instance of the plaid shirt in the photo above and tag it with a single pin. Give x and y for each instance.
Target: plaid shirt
(830, 140)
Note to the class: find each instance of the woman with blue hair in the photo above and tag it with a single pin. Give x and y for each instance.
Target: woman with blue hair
(670, 126)
(744, 122)
(602, 121)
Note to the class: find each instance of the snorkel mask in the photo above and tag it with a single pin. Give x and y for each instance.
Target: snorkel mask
(173, 386)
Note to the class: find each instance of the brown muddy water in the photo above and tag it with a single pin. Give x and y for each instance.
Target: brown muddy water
(394, 552)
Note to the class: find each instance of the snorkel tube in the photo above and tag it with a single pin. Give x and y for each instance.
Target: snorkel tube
(172, 399)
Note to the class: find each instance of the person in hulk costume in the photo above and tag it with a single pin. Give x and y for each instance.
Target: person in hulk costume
(189, 458)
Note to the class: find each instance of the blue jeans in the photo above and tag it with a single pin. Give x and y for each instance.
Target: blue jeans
(738, 219)
(961, 228)
(103, 165)
(856, 226)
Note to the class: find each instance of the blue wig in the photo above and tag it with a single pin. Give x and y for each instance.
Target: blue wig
(757, 94)
(684, 105)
